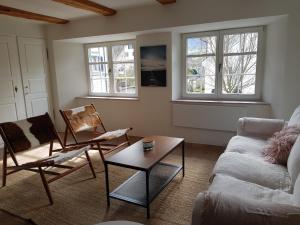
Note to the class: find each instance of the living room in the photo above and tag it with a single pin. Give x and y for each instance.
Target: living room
(220, 62)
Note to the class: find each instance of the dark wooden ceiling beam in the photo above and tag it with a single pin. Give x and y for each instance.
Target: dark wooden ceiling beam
(89, 5)
(165, 2)
(30, 15)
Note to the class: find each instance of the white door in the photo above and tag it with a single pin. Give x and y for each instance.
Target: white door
(33, 60)
(12, 105)
(11, 94)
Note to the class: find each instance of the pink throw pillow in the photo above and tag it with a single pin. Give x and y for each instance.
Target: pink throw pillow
(280, 144)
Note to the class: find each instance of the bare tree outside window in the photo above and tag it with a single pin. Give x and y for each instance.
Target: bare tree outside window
(239, 63)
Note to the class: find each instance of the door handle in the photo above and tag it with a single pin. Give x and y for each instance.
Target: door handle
(16, 89)
(26, 90)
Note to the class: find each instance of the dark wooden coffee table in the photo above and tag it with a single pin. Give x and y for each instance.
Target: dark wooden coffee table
(153, 175)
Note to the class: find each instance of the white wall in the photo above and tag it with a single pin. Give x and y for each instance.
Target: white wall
(68, 76)
(184, 12)
(292, 73)
(153, 112)
(19, 27)
(275, 60)
(188, 12)
(176, 66)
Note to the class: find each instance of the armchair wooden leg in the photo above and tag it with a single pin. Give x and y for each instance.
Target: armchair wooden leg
(46, 186)
(127, 139)
(66, 136)
(4, 169)
(100, 152)
(51, 148)
(13, 157)
(90, 164)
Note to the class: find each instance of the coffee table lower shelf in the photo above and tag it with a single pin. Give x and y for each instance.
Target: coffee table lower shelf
(133, 190)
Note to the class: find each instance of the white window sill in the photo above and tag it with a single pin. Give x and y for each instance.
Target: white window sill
(217, 102)
(109, 98)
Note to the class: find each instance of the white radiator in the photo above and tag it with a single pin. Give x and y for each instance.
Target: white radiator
(216, 117)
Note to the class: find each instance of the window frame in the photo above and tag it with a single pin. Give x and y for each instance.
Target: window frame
(110, 64)
(218, 95)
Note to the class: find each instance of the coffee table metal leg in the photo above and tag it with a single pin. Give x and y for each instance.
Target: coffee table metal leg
(107, 184)
(183, 153)
(147, 194)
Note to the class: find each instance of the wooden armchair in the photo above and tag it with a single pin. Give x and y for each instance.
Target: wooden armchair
(86, 118)
(31, 133)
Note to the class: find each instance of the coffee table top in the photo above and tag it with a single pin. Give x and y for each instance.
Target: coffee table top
(135, 157)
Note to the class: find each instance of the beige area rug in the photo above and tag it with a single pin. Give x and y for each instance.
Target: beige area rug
(81, 200)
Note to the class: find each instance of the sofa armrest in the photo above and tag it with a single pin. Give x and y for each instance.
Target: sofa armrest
(259, 127)
(218, 208)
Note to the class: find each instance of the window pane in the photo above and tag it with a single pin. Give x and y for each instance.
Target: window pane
(124, 78)
(122, 53)
(98, 54)
(239, 74)
(201, 45)
(100, 85)
(240, 43)
(124, 70)
(200, 75)
(98, 70)
(112, 68)
(99, 78)
(125, 85)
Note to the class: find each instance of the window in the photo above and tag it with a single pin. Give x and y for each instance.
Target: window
(111, 69)
(223, 64)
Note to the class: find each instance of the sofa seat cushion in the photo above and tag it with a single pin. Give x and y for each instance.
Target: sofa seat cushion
(254, 170)
(212, 208)
(244, 189)
(246, 145)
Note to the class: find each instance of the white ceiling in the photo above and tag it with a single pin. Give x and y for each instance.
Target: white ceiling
(51, 8)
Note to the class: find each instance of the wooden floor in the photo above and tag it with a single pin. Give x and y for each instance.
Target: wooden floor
(81, 200)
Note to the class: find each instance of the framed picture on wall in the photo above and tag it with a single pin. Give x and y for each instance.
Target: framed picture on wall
(154, 66)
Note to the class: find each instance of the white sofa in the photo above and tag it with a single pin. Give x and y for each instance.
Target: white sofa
(245, 189)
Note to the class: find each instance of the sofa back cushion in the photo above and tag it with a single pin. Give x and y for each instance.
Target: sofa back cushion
(295, 118)
(293, 163)
(297, 192)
